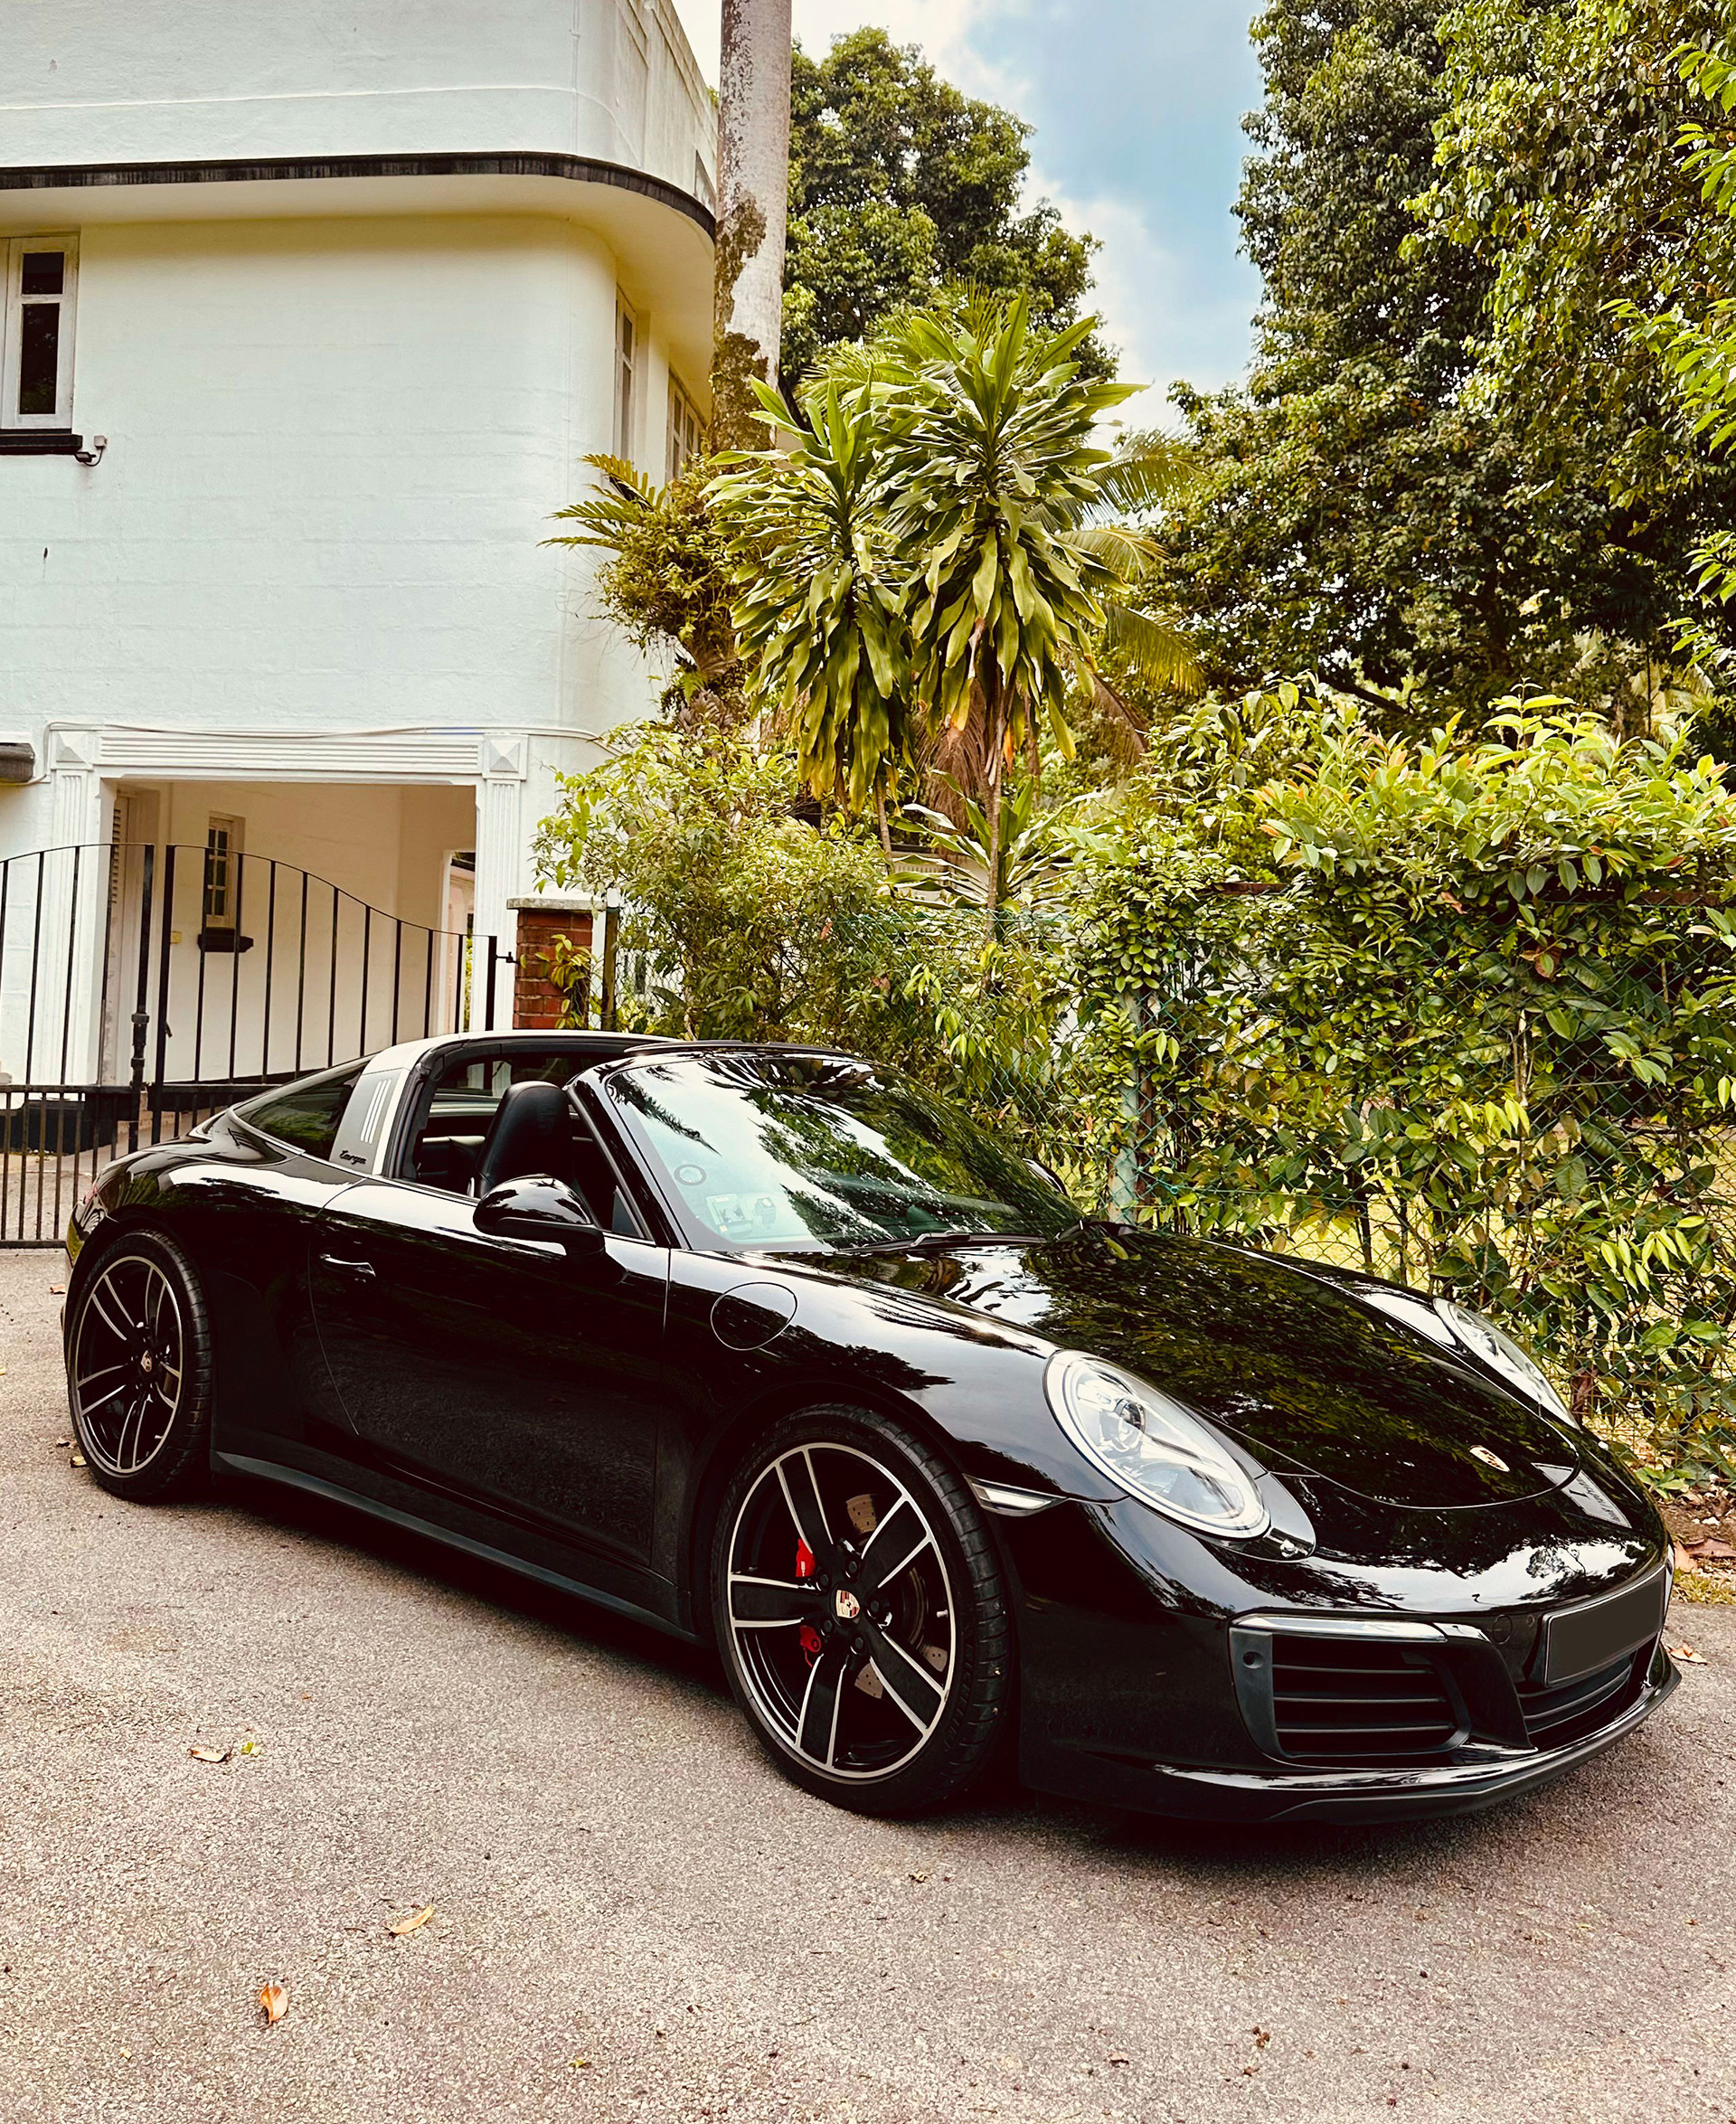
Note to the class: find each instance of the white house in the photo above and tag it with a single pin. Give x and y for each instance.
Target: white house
(312, 311)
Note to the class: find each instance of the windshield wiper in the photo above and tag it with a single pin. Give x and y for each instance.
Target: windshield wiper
(934, 1242)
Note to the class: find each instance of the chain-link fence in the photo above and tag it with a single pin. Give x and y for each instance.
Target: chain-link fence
(1547, 1137)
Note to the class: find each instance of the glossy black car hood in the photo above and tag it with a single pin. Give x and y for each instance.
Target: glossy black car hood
(1308, 1376)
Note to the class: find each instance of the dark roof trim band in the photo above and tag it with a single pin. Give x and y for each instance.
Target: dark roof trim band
(574, 168)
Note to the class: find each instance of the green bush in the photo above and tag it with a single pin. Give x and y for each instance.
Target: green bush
(755, 918)
(1463, 1014)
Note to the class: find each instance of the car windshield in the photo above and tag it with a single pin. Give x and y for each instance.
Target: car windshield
(767, 1150)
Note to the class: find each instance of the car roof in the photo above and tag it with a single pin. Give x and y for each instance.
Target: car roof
(407, 1051)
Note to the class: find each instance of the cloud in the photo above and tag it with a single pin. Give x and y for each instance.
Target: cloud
(1136, 105)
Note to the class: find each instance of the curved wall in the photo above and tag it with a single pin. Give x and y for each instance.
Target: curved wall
(157, 80)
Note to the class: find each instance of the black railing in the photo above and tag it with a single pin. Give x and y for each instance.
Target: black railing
(145, 988)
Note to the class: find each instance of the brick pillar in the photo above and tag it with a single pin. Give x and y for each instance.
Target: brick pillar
(536, 1000)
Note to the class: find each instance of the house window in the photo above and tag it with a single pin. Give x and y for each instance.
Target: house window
(626, 350)
(223, 872)
(686, 437)
(36, 344)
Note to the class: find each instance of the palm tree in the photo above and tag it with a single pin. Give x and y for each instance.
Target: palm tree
(937, 563)
(1034, 849)
(817, 608)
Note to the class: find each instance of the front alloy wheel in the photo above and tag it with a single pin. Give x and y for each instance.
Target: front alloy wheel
(861, 1614)
(138, 1370)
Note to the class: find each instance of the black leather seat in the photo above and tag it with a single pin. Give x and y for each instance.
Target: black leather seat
(531, 1132)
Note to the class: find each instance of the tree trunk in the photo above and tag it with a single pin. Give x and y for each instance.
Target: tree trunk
(752, 208)
(995, 717)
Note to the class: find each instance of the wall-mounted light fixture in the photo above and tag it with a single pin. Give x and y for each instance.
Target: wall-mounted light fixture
(93, 456)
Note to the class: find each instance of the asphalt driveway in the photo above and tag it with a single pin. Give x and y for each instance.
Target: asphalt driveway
(633, 1917)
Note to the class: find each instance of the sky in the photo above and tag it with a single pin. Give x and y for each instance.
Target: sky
(1137, 105)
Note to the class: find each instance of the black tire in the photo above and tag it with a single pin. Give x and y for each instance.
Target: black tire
(886, 1694)
(138, 1370)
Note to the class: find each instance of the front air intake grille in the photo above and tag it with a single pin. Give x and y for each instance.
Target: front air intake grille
(1556, 1717)
(1342, 1699)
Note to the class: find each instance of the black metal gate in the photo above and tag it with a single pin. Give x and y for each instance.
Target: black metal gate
(145, 988)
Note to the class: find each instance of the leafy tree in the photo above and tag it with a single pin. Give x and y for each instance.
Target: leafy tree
(1697, 336)
(1361, 514)
(754, 921)
(900, 187)
(818, 601)
(1558, 177)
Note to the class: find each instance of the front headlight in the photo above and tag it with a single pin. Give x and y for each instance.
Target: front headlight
(1153, 1447)
(1502, 1355)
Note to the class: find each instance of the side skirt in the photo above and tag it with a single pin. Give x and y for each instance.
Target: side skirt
(294, 1479)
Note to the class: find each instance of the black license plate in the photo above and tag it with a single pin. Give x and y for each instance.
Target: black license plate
(1580, 1641)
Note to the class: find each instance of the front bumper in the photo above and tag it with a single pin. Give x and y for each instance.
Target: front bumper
(1138, 1689)
(1414, 1793)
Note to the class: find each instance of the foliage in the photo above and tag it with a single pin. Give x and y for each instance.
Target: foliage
(1696, 337)
(1361, 513)
(932, 567)
(817, 606)
(901, 188)
(991, 465)
(667, 583)
(757, 923)
(1560, 173)
(1460, 1012)
(1464, 1012)
(960, 862)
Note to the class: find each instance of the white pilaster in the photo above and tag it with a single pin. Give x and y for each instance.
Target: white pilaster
(500, 868)
(75, 887)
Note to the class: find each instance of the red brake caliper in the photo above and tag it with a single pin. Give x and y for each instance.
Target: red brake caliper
(810, 1636)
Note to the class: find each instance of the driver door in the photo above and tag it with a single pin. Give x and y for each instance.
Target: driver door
(496, 1371)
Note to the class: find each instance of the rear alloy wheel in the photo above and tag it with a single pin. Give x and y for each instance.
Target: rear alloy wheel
(138, 1371)
(861, 1614)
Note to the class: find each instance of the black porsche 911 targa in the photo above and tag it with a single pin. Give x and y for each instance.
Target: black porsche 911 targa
(768, 1348)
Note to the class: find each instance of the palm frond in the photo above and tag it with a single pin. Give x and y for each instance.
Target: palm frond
(1122, 726)
(1148, 472)
(1155, 651)
(1129, 552)
(625, 497)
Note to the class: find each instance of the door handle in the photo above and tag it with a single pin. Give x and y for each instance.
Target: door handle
(365, 1271)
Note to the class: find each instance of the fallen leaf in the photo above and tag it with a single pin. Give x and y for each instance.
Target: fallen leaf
(921, 1875)
(1117, 2057)
(398, 1927)
(1262, 2036)
(1714, 1551)
(56, 1289)
(209, 1754)
(79, 1460)
(274, 2003)
(1686, 1654)
(578, 2064)
(250, 1748)
(62, 1441)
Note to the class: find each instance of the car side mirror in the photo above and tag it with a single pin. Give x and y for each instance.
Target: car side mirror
(538, 1206)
